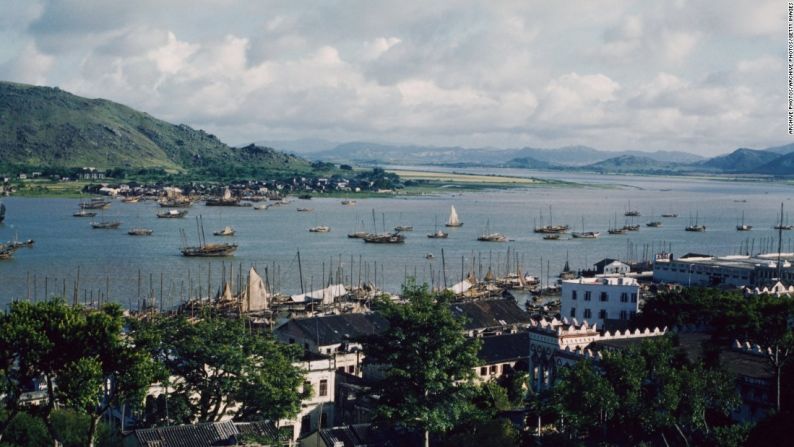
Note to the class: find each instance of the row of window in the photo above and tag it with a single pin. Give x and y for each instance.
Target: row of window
(604, 296)
(602, 314)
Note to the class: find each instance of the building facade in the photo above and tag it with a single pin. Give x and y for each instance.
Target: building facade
(595, 300)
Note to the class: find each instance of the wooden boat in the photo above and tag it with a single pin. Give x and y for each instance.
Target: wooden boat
(320, 229)
(131, 199)
(305, 196)
(2, 212)
(631, 227)
(205, 250)
(585, 234)
(551, 237)
(670, 215)
(454, 220)
(551, 228)
(385, 238)
(84, 213)
(348, 202)
(654, 224)
(615, 230)
(226, 231)
(105, 225)
(140, 232)
(438, 234)
(225, 200)
(261, 207)
(95, 204)
(630, 212)
(305, 210)
(175, 203)
(6, 252)
(358, 235)
(488, 236)
(695, 227)
(172, 214)
(404, 228)
(742, 226)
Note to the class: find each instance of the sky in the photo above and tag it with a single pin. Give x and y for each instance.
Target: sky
(698, 76)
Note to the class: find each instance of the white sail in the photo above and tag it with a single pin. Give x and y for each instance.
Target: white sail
(453, 217)
(256, 296)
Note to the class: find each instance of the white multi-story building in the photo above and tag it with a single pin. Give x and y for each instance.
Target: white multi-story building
(596, 300)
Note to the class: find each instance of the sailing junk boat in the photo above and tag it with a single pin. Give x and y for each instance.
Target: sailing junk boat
(551, 228)
(630, 212)
(585, 234)
(487, 236)
(386, 238)
(95, 204)
(204, 249)
(453, 221)
(172, 214)
(778, 226)
(695, 228)
(226, 200)
(84, 213)
(227, 231)
(742, 226)
(256, 296)
(615, 229)
(437, 234)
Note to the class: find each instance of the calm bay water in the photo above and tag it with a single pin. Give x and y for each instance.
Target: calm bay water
(112, 259)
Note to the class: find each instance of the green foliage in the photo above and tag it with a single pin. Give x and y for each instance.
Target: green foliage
(26, 430)
(427, 363)
(380, 179)
(641, 394)
(217, 364)
(77, 348)
(488, 433)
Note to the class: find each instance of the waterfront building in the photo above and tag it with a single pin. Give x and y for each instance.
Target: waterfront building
(695, 269)
(595, 300)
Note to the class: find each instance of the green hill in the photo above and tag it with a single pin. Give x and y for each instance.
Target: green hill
(48, 127)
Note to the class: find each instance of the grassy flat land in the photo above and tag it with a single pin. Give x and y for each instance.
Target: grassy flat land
(433, 181)
(49, 188)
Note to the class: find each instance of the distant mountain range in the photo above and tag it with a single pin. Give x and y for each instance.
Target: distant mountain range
(777, 161)
(48, 127)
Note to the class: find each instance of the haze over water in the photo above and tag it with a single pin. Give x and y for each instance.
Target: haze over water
(64, 242)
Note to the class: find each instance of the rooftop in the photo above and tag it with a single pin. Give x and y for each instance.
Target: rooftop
(490, 313)
(334, 329)
(504, 348)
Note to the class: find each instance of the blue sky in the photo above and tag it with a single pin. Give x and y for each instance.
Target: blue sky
(698, 76)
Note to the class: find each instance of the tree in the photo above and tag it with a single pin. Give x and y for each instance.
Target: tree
(218, 368)
(427, 363)
(77, 351)
(642, 392)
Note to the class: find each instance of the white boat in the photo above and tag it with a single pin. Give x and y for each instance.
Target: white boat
(585, 234)
(320, 229)
(742, 226)
(227, 231)
(454, 221)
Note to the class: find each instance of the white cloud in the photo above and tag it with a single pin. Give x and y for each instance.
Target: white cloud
(617, 74)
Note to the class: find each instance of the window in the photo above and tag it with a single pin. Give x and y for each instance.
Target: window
(587, 296)
(493, 369)
(633, 297)
(624, 297)
(587, 313)
(604, 296)
(351, 369)
(602, 314)
(484, 371)
(573, 294)
(341, 369)
(573, 312)
(324, 387)
(623, 315)
(306, 424)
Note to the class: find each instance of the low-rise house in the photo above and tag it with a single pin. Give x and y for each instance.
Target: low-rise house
(226, 433)
(501, 354)
(491, 316)
(336, 336)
